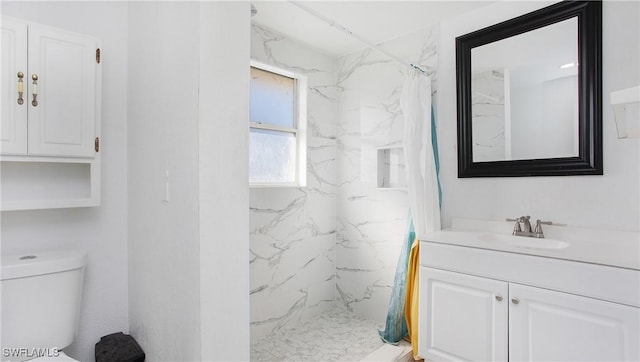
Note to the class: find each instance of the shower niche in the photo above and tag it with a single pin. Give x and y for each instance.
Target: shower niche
(391, 168)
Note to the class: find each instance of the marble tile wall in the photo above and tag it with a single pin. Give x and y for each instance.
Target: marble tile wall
(487, 102)
(337, 240)
(293, 230)
(371, 221)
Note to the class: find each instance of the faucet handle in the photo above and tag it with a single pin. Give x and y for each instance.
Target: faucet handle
(516, 227)
(538, 230)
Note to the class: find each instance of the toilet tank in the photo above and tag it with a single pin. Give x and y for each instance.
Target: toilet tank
(41, 295)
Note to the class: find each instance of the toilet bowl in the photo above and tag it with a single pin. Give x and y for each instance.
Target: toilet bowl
(41, 298)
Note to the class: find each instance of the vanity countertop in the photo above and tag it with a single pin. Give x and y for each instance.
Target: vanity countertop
(596, 246)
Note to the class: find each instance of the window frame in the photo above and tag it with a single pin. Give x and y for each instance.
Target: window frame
(299, 130)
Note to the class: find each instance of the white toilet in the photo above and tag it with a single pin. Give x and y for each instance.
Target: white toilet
(41, 296)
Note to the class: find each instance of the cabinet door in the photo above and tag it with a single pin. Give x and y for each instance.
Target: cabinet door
(550, 326)
(62, 123)
(13, 132)
(466, 317)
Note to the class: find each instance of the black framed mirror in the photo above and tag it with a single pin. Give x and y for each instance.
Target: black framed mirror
(529, 94)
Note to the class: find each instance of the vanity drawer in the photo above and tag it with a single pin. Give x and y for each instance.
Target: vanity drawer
(608, 283)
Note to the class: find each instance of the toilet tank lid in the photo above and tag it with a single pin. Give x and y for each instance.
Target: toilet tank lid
(39, 263)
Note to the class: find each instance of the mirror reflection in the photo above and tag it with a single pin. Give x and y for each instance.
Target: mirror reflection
(524, 95)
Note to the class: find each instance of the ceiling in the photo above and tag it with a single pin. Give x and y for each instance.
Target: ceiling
(375, 21)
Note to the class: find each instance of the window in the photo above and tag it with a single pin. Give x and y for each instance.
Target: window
(277, 133)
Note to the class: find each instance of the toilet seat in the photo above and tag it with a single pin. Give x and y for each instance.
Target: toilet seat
(62, 357)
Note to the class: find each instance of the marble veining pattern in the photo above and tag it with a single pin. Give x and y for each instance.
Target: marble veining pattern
(335, 335)
(335, 242)
(488, 119)
(372, 221)
(293, 229)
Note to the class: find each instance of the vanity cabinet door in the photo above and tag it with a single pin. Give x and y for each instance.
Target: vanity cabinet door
(551, 326)
(13, 113)
(465, 317)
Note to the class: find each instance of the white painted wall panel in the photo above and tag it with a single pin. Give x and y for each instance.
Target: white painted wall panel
(101, 231)
(224, 181)
(164, 248)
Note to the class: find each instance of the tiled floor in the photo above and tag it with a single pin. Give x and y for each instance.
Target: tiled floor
(333, 336)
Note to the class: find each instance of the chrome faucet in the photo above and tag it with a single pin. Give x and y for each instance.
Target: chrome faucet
(525, 230)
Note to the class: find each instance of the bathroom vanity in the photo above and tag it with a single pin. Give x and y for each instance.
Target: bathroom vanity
(486, 295)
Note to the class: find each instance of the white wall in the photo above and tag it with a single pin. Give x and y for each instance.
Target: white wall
(154, 57)
(549, 131)
(224, 185)
(164, 267)
(188, 116)
(608, 201)
(101, 231)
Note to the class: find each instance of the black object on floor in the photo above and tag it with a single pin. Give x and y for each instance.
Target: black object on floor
(118, 347)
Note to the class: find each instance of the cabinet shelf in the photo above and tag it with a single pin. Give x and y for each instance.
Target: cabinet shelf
(48, 183)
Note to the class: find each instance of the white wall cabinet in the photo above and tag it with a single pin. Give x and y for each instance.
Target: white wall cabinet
(50, 115)
(13, 139)
(56, 73)
(473, 318)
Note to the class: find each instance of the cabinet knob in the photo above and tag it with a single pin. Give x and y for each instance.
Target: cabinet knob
(499, 298)
(515, 300)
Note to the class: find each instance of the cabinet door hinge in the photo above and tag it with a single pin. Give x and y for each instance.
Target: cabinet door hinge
(97, 144)
(98, 55)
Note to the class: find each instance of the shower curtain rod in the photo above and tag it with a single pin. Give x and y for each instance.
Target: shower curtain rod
(344, 29)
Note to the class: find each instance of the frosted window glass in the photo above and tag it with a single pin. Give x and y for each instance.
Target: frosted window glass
(272, 98)
(272, 156)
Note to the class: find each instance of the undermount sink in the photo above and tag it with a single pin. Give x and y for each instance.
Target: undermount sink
(523, 241)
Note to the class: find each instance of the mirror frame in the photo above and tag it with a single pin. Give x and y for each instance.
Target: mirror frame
(589, 159)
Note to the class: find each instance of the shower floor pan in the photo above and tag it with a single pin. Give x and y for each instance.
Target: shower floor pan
(336, 335)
